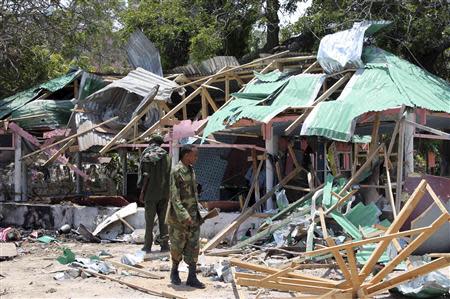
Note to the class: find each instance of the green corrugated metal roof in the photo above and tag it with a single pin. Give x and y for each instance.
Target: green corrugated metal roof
(386, 82)
(57, 113)
(12, 103)
(261, 101)
(270, 77)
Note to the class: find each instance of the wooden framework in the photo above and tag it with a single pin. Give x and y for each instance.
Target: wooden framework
(357, 280)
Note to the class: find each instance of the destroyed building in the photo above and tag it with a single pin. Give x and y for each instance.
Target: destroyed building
(313, 155)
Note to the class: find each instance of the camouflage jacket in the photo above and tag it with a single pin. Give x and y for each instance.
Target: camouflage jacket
(183, 196)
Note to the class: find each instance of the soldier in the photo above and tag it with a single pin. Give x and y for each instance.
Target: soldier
(184, 218)
(154, 180)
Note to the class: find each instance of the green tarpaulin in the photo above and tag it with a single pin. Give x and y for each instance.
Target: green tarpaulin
(385, 82)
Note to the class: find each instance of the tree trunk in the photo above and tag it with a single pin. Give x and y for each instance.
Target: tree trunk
(273, 24)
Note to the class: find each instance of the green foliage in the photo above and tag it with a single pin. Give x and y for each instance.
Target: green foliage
(198, 29)
(205, 44)
(43, 39)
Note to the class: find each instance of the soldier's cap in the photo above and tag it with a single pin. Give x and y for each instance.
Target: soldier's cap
(156, 138)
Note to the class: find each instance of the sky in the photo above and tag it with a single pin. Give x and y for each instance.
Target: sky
(289, 19)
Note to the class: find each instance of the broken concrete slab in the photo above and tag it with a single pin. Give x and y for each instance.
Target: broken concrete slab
(8, 250)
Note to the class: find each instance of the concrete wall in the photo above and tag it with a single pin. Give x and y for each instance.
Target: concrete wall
(52, 217)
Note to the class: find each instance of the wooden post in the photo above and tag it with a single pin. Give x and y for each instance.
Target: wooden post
(389, 185)
(184, 109)
(78, 180)
(227, 88)
(409, 142)
(204, 105)
(401, 140)
(124, 161)
(255, 168)
(394, 227)
(175, 152)
(271, 147)
(17, 167)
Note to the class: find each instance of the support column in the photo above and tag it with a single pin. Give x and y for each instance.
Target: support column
(78, 179)
(409, 142)
(17, 167)
(271, 148)
(175, 152)
(24, 182)
(400, 152)
(124, 162)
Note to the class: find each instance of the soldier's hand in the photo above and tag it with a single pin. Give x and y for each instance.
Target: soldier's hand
(189, 221)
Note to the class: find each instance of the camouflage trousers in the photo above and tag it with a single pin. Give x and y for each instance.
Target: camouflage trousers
(184, 243)
(155, 208)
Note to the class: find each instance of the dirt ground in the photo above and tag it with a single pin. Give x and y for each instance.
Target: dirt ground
(31, 275)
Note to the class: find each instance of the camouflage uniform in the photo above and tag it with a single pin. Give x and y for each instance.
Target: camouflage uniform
(155, 167)
(184, 239)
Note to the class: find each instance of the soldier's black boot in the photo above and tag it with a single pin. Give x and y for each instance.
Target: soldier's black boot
(192, 280)
(165, 246)
(174, 274)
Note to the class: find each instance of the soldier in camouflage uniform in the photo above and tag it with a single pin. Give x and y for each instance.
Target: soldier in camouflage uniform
(184, 218)
(154, 178)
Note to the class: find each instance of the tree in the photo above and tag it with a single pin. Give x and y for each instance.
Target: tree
(198, 29)
(42, 39)
(420, 30)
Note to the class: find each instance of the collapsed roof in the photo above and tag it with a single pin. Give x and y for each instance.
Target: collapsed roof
(120, 98)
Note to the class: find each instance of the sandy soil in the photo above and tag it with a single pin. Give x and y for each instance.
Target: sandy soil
(31, 275)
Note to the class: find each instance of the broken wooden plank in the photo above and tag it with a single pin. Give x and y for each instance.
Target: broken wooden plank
(389, 184)
(143, 110)
(238, 293)
(390, 283)
(260, 277)
(126, 223)
(70, 137)
(222, 72)
(138, 270)
(361, 169)
(394, 227)
(320, 99)
(240, 219)
(287, 287)
(59, 152)
(135, 286)
(413, 245)
(268, 270)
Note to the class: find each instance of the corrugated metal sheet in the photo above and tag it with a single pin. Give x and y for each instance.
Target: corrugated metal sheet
(9, 104)
(143, 53)
(55, 114)
(206, 67)
(262, 101)
(120, 98)
(385, 82)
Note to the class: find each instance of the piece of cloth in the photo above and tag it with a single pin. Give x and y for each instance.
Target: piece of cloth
(184, 238)
(184, 243)
(155, 175)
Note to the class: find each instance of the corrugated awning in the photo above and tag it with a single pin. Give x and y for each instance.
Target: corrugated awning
(261, 101)
(385, 82)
